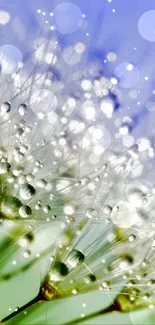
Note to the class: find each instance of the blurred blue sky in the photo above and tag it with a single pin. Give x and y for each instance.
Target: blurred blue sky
(112, 26)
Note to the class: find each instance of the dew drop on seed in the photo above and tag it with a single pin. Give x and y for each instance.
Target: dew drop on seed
(22, 109)
(91, 213)
(90, 278)
(27, 191)
(69, 210)
(75, 258)
(23, 242)
(151, 282)
(19, 133)
(132, 237)
(4, 168)
(136, 197)
(46, 208)
(29, 237)
(29, 177)
(18, 171)
(25, 211)
(27, 253)
(41, 183)
(21, 179)
(107, 209)
(58, 272)
(124, 215)
(16, 309)
(6, 107)
(125, 262)
(10, 207)
(23, 148)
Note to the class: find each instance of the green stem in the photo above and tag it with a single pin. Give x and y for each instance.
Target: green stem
(37, 299)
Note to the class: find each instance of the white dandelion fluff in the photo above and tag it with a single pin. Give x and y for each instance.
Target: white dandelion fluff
(70, 162)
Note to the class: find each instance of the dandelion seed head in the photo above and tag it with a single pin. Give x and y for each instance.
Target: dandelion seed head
(68, 155)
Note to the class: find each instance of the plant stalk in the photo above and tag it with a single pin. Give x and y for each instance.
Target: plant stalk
(37, 299)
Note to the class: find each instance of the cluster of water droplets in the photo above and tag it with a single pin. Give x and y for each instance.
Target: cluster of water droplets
(67, 153)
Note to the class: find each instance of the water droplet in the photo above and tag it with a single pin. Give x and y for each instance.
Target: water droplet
(68, 210)
(90, 278)
(132, 237)
(107, 209)
(46, 208)
(75, 258)
(21, 179)
(23, 148)
(4, 168)
(105, 286)
(125, 262)
(6, 107)
(27, 253)
(10, 179)
(22, 109)
(146, 296)
(38, 206)
(124, 215)
(10, 207)
(18, 171)
(29, 236)
(74, 291)
(18, 157)
(16, 309)
(151, 282)
(136, 197)
(91, 213)
(145, 263)
(58, 272)
(25, 211)
(27, 191)
(41, 183)
(19, 133)
(30, 177)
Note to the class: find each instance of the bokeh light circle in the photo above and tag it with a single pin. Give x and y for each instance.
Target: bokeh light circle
(127, 74)
(70, 56)
(146, 25)
(150, 106)
(10, 57)
(67, 18)
(97, 139)
(124, 215)
(43, 101)
(4, 17)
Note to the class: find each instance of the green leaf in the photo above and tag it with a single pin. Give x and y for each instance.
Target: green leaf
(21, 289)
(65, 310)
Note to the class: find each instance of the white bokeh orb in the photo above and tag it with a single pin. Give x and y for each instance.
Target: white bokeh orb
(146, 25)
(10, 58)
(4, 17)
(67, 18)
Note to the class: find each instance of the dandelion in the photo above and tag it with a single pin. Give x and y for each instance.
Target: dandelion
(75, 191)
